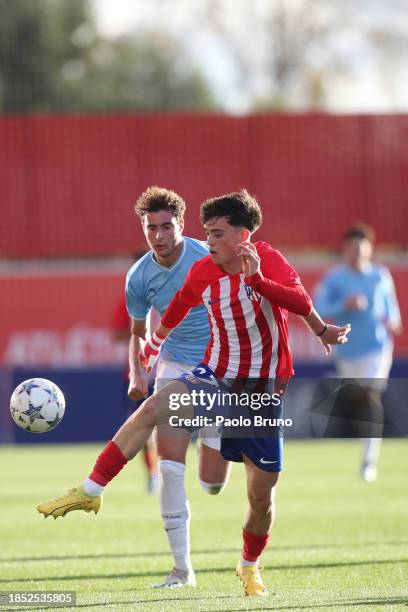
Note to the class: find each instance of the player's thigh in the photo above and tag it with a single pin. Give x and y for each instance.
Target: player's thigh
(213, 468)
(172, 400)
(172, 443)
(260, 483)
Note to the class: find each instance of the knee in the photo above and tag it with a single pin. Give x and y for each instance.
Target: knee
(260, 503)
(212, 488)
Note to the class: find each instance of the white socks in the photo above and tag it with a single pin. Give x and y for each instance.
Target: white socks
(92, 488)
(175, 511)
(245, 563)
(212, 488)
(371, 450)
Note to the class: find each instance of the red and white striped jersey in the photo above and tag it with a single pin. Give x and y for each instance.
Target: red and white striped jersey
(249, 332)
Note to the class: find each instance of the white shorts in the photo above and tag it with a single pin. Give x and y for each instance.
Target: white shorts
(171, 370)
(375, 365)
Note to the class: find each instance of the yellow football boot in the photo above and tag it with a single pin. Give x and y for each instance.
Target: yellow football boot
(74, 499)
(251, 579)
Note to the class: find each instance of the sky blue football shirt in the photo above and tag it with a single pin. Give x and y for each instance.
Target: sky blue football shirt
(150, 284)
(369, 331)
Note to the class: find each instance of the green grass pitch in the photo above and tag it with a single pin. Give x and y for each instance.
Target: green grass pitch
(338, 543)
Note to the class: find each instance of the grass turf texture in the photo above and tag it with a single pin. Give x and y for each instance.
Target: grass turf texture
(338, 543)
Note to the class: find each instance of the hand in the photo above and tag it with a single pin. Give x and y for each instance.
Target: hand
(138, 387)
(334, 335)
(357, 302)
(251, 262)
(148, 356)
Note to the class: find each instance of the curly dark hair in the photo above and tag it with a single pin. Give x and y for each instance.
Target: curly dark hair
(240, 208)
(158, 198)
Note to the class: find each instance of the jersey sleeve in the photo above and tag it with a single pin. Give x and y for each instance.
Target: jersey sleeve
(280, 283)
(137, 305)
(276, 267)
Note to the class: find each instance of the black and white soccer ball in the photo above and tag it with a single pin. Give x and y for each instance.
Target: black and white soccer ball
(37, 405)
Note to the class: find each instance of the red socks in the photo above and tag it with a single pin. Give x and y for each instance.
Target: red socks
(108, 464)
(254, 545)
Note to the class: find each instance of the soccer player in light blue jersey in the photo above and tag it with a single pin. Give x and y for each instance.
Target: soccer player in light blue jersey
(362, 293)
(152, 282)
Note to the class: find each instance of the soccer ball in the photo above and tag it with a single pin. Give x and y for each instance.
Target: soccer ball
(37, 405)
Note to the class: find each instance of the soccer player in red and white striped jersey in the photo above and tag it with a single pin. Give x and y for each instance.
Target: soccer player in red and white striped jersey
(248, 289)
(248, 314)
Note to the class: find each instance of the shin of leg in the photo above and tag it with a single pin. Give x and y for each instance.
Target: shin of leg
(175, 511)
(371, 450)
(261, 497)
(150, 457)
(260, 514)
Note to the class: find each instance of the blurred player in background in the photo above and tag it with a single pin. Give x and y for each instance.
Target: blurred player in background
(120, 325)
(363, 293)
(247, 290)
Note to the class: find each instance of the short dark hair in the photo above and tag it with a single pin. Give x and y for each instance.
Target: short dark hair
(158, 198)
(240, 208)
(361, 231)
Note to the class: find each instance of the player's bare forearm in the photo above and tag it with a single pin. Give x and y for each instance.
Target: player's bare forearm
(314, 321)
(138, 386)
(134, 349)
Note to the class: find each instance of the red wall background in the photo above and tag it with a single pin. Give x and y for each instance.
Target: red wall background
(62, 319)
(67, 183)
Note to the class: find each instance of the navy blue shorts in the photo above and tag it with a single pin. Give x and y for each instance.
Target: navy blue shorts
(241, 434)
(265, 453)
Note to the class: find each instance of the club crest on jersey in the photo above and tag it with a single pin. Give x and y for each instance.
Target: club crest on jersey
(251, 294)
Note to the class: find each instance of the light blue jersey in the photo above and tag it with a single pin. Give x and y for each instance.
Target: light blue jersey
(369, 331)
(150, 284)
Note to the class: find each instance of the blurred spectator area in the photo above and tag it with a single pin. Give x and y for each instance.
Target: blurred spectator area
(68, 182)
